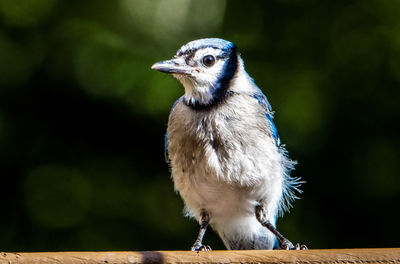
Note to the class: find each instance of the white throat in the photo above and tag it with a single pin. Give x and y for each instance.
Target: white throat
(196, 93)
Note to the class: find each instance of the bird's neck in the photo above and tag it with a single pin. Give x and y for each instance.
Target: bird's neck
(242, 83)
(205, 98)
(197, 95)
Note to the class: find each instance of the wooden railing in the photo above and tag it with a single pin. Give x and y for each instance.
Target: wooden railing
(320, 256)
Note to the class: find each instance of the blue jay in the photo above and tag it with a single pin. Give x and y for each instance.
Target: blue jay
(226, 158)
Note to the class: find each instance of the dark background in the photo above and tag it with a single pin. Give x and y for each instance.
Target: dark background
(82, 117)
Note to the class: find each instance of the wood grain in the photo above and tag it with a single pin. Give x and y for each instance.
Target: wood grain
(373, 255)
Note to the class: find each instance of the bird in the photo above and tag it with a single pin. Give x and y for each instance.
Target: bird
(225, 155)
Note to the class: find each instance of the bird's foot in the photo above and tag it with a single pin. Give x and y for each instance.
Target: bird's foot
(287, 245)
(284, 243)
(200, 247)
(301, 247)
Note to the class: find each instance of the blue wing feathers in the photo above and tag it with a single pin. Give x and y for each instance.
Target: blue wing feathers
(263, 101)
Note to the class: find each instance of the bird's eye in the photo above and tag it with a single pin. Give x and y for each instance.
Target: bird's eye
(208, 60)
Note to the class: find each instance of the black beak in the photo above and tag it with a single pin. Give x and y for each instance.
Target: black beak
(171, 66)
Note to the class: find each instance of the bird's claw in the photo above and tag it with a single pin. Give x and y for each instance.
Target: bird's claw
(287, 245)
(200, 248)
(301, 247)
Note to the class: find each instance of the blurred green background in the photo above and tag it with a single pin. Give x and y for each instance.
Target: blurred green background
(82, 117)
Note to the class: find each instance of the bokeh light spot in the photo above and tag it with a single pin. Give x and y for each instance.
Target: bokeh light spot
(104, 67)
(167, 20)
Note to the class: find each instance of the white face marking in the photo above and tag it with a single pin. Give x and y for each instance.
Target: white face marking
(199, 87)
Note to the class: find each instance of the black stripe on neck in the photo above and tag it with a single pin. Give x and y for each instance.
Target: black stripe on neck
(222, 84)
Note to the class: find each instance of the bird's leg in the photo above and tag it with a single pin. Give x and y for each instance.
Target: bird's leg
(198, 246)
(284, 243)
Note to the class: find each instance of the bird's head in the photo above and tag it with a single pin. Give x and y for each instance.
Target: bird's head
(205, 67)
